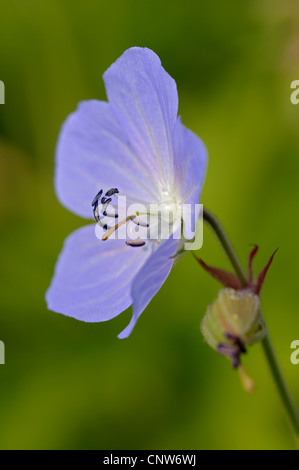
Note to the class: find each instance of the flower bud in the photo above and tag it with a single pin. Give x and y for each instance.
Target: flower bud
(232, 322)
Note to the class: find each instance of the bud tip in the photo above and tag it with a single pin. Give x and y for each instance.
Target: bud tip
(246, 381)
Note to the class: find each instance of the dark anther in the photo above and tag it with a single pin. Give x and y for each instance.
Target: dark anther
(96, 198)
(111, 191)
(237, 342)
(240, 345)
(231, 351)
(96, 212)
(229, 335)
(106, 204)
(135, 243)
(105, 227)
(105, 200)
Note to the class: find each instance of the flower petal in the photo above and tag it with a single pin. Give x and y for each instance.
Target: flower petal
(94, 152)
(145, 101)
(190, 157)
(149, 280)
(92, 280)
(190, 162)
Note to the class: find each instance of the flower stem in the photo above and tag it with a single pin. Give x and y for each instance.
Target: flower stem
(277, 375)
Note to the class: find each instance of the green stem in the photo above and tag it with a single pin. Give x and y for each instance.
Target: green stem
(277, 375)
(285, 394)
(224, 241)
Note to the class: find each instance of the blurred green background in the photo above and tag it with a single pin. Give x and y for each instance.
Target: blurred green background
(71, 385)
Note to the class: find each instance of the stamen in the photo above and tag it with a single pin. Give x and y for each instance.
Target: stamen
(96, 198)
(105, 205)
(140, 222)
(96, 212)
(113, 229)
(111, 214)
(135, 243)
(237, 341)
(103, 223)
(111, 191)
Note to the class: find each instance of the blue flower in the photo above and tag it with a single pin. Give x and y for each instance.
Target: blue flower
(136, 145)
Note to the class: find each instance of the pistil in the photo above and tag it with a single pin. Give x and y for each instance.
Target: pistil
(119, 224)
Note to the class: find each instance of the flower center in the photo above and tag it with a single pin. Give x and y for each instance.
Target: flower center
(169, 208)
(154, 221)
